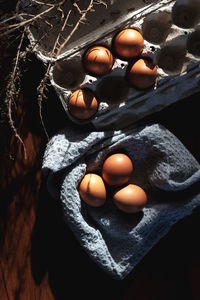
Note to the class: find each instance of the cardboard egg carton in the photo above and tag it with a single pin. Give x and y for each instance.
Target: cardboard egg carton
(171, 34)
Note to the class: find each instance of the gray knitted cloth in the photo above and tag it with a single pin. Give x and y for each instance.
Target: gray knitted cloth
(163, 167)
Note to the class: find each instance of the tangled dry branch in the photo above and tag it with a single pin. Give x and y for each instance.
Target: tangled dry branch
(30, 14)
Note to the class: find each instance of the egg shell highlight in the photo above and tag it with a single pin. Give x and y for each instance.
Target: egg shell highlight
(98, 60)
(82, 104)
(92, 190)
(130, 199)
(128, 43)
(142, 74)
(117, 169)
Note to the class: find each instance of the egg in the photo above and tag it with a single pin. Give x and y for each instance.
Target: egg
(92, 190)
(128, 43)
(117, 169)
(130, 199)
(82, 104)
(98, 60)
(142, 74)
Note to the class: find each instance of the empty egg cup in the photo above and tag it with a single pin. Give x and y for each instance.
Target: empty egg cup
(193, 43)
(186, 13)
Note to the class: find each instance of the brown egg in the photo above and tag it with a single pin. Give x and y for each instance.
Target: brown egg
(82, 104)
(128, 43)
(117, 169)
(142, 74)
(130, 199)
(98, 60)
(92, 190)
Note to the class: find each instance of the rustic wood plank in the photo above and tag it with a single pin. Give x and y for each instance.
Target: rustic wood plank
(20, 183)
(3, 286)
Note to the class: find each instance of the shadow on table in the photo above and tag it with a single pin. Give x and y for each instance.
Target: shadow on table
(70, 270)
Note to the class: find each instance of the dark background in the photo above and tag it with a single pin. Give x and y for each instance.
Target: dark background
(39, 256)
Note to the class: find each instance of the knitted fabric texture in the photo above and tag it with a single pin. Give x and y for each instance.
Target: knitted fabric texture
(163, 167)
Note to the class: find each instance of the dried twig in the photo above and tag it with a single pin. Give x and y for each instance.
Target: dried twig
(12, 27)
(24, 20)
(12, 92)
(42, 85)
(81, 19)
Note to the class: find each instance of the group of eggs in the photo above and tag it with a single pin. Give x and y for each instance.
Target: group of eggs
(98, 60)
(115, 175)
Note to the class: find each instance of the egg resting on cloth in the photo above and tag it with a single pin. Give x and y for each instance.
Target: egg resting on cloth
(163, 167)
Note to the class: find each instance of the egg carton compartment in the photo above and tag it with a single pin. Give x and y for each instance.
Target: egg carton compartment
(171, 34)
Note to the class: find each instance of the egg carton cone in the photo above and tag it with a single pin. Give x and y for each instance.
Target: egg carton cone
(171, 32)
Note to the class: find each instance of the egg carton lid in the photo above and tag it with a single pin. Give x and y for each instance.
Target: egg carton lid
(169, 90)
(116, 13)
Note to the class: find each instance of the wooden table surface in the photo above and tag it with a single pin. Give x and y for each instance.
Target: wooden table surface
(39, 256)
